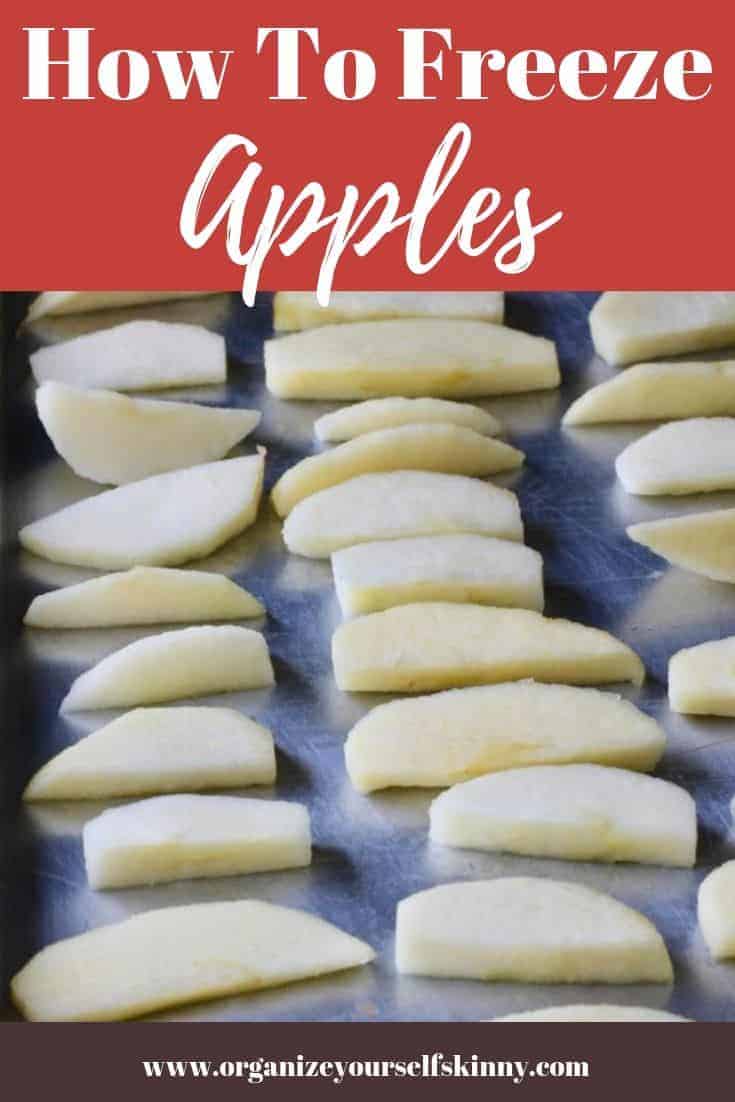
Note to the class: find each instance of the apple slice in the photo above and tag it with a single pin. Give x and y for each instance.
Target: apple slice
(109, 437)
(527, 930)
(716, 911)
(631, 325)
(363, 510)
(139, 355)
(152, 750)
(461, 568)
(159, 521)
(413, 358)
(576, 812)
(658, 392)
(701, 542)
(188, 837)
(82, 302)
(300, 309)
(685, 457)
(190, 662)
(143, 595)
(593, 1012)
(421, 647)
(390, 413)
(702, 679)
(178, 955)
(446, 448)
(428, 741)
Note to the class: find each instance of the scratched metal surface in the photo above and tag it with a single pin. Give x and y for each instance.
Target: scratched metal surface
(370, 851)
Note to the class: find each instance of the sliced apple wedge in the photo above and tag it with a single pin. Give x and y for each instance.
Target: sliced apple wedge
(175, 664)
(631, 325)
(460, 568)
(420, 647)
(300, 309)
(424, 357)
(111, 438)
(575, 812)
(716, 911)
(143, 595)
(391, 413)
(82, 302)
(593, 1012)
(701, 542)
(152, 750)
(159, 521)
(446, 448)
(527, 930)
(685, 457)
(658, 392)
(702, 679)
(178, 955)
(363, 510)
(431, 741)
(188, 837)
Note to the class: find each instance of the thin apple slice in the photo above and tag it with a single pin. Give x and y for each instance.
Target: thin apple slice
(701, 542)
(143, 595)
(175, 664)
(161, 521)
(593, 1012)
(390, 413)
(632, 325)
(702, 679)
(300, 309)
(421, 647)
(108, 437)
(431, 741)
(527, 930)
(460, 568)
(658, 392)
(152, 750)
(82, 302)
(363, 510)
(138, 355)
(187, 837)
(178, 955)
(446, 448)
(424, 357)
(685, 457)
(575, 812)
(716, 911)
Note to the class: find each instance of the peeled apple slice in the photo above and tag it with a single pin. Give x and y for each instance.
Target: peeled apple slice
(591, 1012)
(421, 647)
(682, 458)
(81, 302)
(716, 911)
(702, 542)
(464, 568)
(159, 521)
(188, 837)
(109, 437)
(300, 309)
(139, 355)
(153, 750)
(446, 448)
(658, 392)
(143, 595)
(702, 679)
(427, 357)
(631, 325)
(364, 509)
(190, 662)
(390, 413)
(180, 955)
(527, 930)
(430, 741)
(575, 812)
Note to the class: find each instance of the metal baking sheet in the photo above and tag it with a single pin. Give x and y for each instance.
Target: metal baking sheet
(370, 851)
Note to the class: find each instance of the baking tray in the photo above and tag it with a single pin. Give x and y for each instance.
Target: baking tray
(370, 850)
